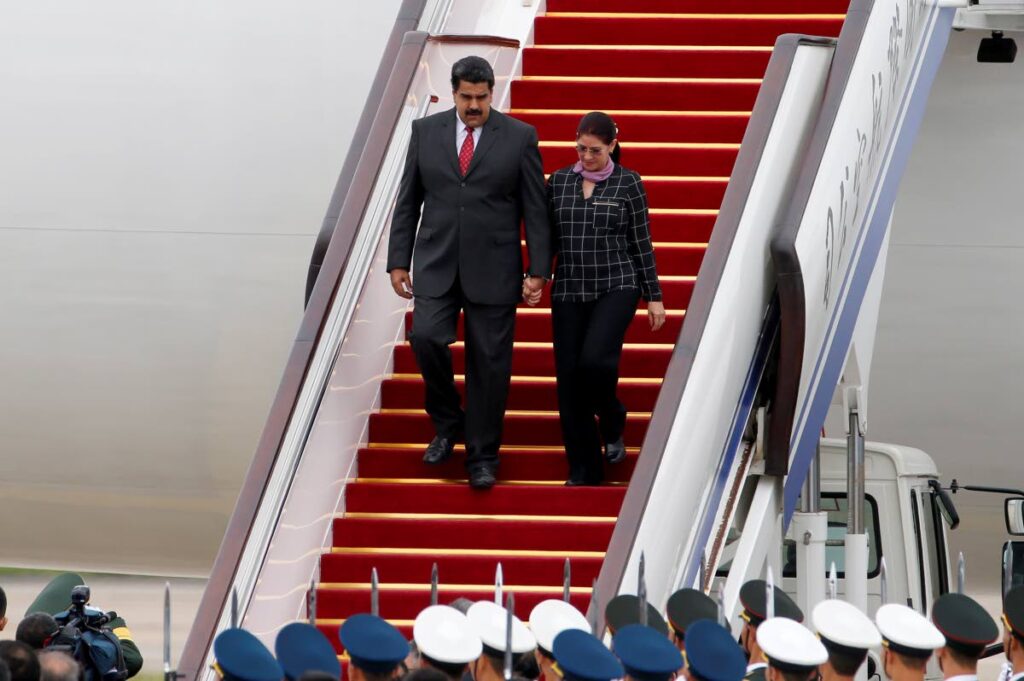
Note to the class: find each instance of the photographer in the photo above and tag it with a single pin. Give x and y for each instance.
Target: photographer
(55, 598)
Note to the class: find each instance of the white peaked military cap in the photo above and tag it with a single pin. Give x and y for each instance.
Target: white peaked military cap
(907, 632)
(444, 634)
(842, 624)
(550, 618)
(790, 646)
(488, 620)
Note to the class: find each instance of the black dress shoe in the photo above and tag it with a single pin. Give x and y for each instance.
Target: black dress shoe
(615, 452)
(440, 449)
(482, 478)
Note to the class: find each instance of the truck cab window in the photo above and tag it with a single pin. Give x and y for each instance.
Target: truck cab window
(835, 504)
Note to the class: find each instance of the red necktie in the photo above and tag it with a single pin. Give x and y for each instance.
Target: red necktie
(466, 153)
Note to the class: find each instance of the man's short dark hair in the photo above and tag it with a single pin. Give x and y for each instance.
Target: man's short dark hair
(846, 661)
(21, 660)
(3, 603)
(56, 665)
(795, 676)
(425, 674)
(35, 629)
(472, 70)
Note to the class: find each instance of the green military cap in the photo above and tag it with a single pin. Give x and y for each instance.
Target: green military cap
(754, 598)
(56, 596)
(686, 606)
(624, 610)
(1013, 611)
(965, 624)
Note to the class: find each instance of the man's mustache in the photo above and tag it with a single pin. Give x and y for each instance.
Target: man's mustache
(474, 112)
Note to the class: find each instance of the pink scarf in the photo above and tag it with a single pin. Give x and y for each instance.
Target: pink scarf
(595, 176)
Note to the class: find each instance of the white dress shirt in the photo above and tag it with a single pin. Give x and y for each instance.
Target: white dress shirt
(962, 677)
(460, 134)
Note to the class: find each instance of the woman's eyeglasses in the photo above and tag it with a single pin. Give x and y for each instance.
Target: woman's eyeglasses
(582, 149)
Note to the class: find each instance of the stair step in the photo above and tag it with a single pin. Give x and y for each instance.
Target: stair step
(714, 161)
(695, 29)
(526, 570)
(516, 464)
(617, 93)
(533, 325)
(520, 428)
(660, 126)
(538, 360)
(515, 534)
(629, 62)
(406, 392)
(685, 192)
(697, 6)
(396, 497)
(408, 603)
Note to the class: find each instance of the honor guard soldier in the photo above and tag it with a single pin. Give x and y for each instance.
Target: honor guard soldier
(713, 654)
(754, 599)
(56, 598)
(490, 621)
(792, 651)
(685, 607)
(1013, 631)
(908, 640)
(240, 656)
(446, 640)
(302, 648)
(624, 610)
(646, 654)
(847, 635)
(968, 630)
(548, 619)
(580, 656)
(375, 648)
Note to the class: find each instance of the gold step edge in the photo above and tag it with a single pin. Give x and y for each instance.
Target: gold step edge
(465, 481)
(416, 551)
(597, 520)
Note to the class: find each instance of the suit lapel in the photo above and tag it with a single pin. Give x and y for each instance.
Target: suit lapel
(447, 139)
(491, 131)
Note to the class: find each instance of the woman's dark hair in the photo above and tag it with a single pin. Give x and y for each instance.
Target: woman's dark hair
(472, 70)
(600, 125)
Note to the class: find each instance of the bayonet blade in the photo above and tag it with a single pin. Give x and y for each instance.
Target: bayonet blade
(509, 608)
(770, 594)
(883, 581)
(566, 581)
(641, 591)
(311, 606)
(594, 612)
(433, 585)
(499, 583)
(234, 608)
(833, 582)
(1007, 568)
(961, 574)
(167, 629)
(374, 593)
(723, 619)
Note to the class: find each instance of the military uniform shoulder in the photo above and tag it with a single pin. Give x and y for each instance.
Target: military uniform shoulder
(755, 674)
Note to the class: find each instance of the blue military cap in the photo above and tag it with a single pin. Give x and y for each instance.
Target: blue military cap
(374, 645)
(301, 648)
(712, 654)
(241, 657)
(646, 654)
(580, 656)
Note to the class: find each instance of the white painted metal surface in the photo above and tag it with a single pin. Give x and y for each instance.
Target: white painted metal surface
(685, 482)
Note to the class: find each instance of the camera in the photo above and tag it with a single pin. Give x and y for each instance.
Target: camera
(80, 614)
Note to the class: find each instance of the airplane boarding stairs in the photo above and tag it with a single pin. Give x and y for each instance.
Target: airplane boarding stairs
(338, 487)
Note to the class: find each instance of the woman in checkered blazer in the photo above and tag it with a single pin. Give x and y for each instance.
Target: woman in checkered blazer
(605, 265)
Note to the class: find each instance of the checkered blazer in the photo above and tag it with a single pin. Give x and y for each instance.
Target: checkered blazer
(602, 243)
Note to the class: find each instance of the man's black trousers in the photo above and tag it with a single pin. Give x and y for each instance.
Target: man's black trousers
(588, 346)
(489, 331)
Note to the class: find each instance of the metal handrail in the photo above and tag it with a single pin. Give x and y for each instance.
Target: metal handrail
(329, 309)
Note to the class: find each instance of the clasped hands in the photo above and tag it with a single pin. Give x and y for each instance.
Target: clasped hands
(533, 287)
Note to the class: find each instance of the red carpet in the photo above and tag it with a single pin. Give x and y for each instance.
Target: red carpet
(680, 83)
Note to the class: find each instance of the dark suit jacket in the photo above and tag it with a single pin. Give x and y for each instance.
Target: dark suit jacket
(471, 225)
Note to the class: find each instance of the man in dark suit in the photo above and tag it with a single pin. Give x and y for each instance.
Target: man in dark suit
(476, 175)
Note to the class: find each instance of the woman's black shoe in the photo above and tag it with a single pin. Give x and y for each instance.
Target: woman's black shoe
(615, 452)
